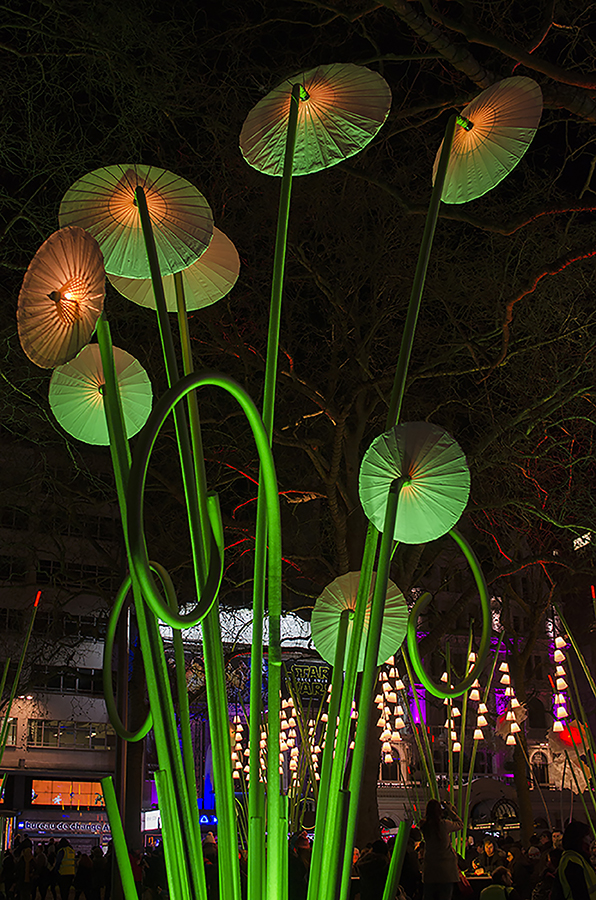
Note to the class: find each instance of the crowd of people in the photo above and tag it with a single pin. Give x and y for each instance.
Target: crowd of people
(555, 866)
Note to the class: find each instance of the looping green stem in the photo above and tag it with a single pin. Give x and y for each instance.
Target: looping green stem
(167, 610)
(437, 689)
(108, 687)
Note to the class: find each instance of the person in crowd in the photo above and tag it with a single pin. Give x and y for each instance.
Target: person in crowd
(42, 872)
(97, 874)
(7, 875)
(521, 871)
(558, 840)
(501, 887)
(411, 875)
(155, 873)
(135, 857)
(373, 866)
(470, 852)
(64, 867)
(543, 889)
(210, 859)
(490, 859)
(25, 870)
(440, 871)
(298, 866)
(83, 876)
(575, 875)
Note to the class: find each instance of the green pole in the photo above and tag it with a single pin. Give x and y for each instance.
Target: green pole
(128, 882)
(191, 488)
(135, 505)
(397, 860)
(323, 799)
(229, 867)
(160, 699)
(256, 858)
(369, 678)
(338, 765)
(407, 341)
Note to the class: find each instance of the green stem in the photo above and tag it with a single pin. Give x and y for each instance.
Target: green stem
(256, 859)
(397, 860)
(191, 487)
(407, 341)
(160, 700)
(334, 815)
(369, 678)
(128, 882)
(229, 871)
(323, 799)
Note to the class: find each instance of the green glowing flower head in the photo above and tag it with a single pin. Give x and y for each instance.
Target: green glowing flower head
(438, 485)
(340, 595)
(76, 395)
(342, 107)
(504, 119)
(103, 203)
(209, 279)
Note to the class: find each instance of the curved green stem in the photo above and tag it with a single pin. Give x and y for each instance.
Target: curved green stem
(434, 688)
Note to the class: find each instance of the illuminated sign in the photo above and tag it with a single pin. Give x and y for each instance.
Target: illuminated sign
(75, 826)
(66, 793)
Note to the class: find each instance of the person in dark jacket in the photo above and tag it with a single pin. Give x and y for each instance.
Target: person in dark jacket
(490, 859)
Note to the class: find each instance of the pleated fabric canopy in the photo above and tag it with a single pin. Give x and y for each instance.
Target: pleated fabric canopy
(61, 297)
(103, 203)
(435, 496)
(342, 109)
(76, 395)
(209, 279)
(504, 119)
(340, 595)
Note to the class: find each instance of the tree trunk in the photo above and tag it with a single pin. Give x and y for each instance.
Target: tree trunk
(522, 788)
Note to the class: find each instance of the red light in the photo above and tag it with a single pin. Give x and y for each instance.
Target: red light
(37, 599)
(593, 592)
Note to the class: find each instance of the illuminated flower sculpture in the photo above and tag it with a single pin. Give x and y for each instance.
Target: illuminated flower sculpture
(61, 298)
(152, 223)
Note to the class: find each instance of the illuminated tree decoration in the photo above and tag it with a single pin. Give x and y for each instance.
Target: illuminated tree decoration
(61, 298)
(205, 282)
(342, 108)
(103, 203)
(498, 127)
(436, 487)
(340, 595)
(77, 398)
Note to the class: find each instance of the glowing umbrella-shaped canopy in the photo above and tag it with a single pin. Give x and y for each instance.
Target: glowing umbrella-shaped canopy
(61, 297)
(103, 203)
(209, 279)
(340, 595)
(438, 481)
(342, 108)
(504, 119)
(76, 395)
